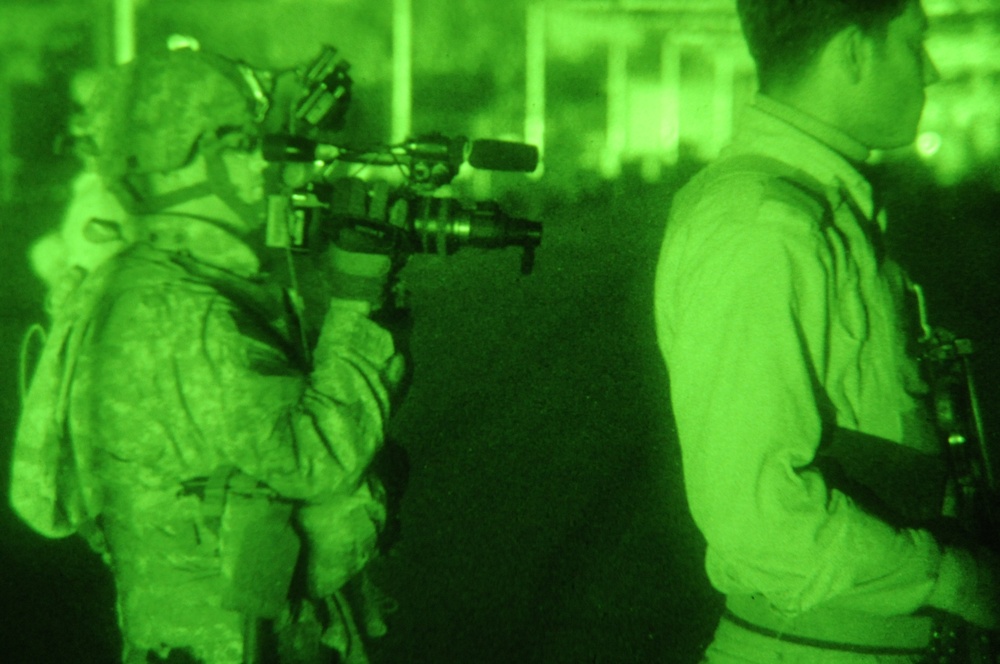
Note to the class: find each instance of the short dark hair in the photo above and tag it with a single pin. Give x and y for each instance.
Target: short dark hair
(784, 36)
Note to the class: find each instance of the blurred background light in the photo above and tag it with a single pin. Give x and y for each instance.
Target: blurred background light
(928, 143)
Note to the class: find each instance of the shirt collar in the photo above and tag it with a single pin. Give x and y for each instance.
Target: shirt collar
(826, 153)
(834, 138)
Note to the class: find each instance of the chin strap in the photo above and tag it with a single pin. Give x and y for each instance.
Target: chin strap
(211, 221)
(134, 192)
(251, 214)
(159, 203)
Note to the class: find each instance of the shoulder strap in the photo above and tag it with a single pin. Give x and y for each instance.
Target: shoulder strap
(783, 182)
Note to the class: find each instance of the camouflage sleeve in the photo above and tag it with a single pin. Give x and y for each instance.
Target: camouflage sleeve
(183, 390)
(308, 437)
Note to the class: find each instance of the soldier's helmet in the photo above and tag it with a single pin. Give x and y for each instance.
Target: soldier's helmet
(151, 115)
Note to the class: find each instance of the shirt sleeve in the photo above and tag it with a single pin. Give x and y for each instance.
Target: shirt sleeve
(315, 435)
(749, 317)
(175, 389)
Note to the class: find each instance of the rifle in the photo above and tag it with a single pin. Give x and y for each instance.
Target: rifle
(971, 457)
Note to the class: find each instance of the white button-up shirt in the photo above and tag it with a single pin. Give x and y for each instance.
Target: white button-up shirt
(775, 326)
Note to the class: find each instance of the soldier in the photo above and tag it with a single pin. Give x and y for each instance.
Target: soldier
(220, 467)
(811, 465)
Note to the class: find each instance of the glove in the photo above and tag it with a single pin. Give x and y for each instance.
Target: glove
(968, 586)
(342, 535)
(356, 276)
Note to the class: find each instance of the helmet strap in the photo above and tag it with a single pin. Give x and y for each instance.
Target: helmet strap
(161, 202)
(133, 194)
(251, 214)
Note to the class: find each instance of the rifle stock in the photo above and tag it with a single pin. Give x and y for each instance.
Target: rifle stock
(973, 494)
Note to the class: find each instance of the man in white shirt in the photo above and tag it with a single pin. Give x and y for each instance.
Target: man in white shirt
(810, 459)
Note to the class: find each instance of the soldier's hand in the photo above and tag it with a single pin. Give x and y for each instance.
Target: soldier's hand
(968, 586)
(358, 276)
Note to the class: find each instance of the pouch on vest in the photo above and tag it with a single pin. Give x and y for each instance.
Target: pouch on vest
(258, 547)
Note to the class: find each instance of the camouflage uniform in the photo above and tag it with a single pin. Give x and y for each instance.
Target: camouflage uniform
(174, 421)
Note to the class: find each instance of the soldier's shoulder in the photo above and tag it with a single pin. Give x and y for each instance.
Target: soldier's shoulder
(753, 188)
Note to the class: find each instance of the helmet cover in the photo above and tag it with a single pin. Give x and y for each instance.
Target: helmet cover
(147, 116)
